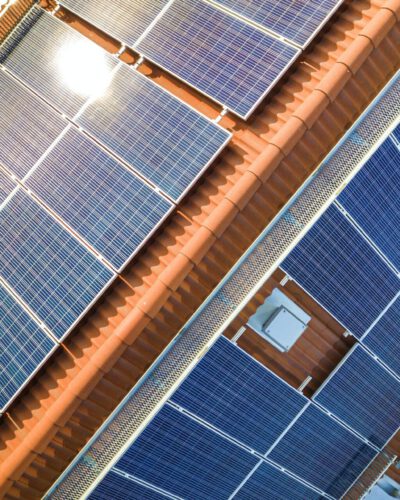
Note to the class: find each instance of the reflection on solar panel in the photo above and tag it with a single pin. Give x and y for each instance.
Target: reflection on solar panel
(179, 455)
(161, 137)
(23, 347)
(56, 61)
(340, 269)
(372, 199)
(100, 199)
(270, 483)
(27, 127)
(225, 58)
(296, 20)
(234, 393)
(323, 452)
(384, 338)
(6, 186)
(54, 274)
(364, 396)
(124, 20)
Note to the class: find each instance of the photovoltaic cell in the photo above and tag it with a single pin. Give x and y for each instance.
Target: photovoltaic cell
(158, 135)
(297, 20)
(105, 203)
(27, 127)
(321, 451)
(335, 264)
(6, 186)
(56, 61)
(396, 133)
(23, 347)
(234, 393)
(124, 20)
(372, 199)
(50, 270)
(179, 455)
(220, 55)
(364, 396)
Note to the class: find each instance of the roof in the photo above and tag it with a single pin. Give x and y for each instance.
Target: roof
(267, 160)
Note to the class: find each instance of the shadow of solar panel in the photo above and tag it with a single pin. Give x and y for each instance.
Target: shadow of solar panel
(372, 199)
(321, 451)
(57, 62)
(234, 393)
(179, 455)
(335, 264)
(23, 347)
(7, 186)
(50, 270)
(124, 20)
(27, 127)
(158, 135)
(223, 57)
(365, 396)
(297, 20)
(101, 200)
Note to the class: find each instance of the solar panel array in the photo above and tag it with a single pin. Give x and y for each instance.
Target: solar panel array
(7, 186)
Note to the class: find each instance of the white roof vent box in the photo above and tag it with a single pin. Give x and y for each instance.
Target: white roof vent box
(279, 320)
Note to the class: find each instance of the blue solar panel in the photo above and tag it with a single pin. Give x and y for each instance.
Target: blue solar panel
(100, 199)
(372, 199)
(396, 134)
(384, 337)
(7, 186)
(297, 20)
(56, 61)
(222, 56)
(23, 347)
(335, 264)
(233, 392)
(158, 135)
(187, 459)
(321, 451)
(365, 396)
(51, 271)
(27, 127)
(268, 482)
(124, 20)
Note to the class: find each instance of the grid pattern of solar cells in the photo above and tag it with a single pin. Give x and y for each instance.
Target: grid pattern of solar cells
(179, 455)
(158, 135)
(23, 347)
(100, 199)
(220, 55)
(364, 396)
(7, 186)
(56, 61)
(396, 133)
(27, 127)
(296, 20)
(50, 270)
(234, 393)
(323, 452)
(335, 264)
(372, 199)
(124, 20)
(384, 337)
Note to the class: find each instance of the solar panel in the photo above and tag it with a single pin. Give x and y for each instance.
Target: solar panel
(323, 452)
(124, 20)
(335, 264)
(101, 200)
(27, 127)
(223, 57)
(372, 199)
(50, 270)
(7, 186)
(297, 20)
(23, 347)
(236, 394)
(365, 396)
(384, 338)
(158, 135)
(268, 482)
(179, 455)
(396, 134)
(56, 61)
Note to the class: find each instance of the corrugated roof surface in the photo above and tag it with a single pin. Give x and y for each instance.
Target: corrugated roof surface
(268, 159)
